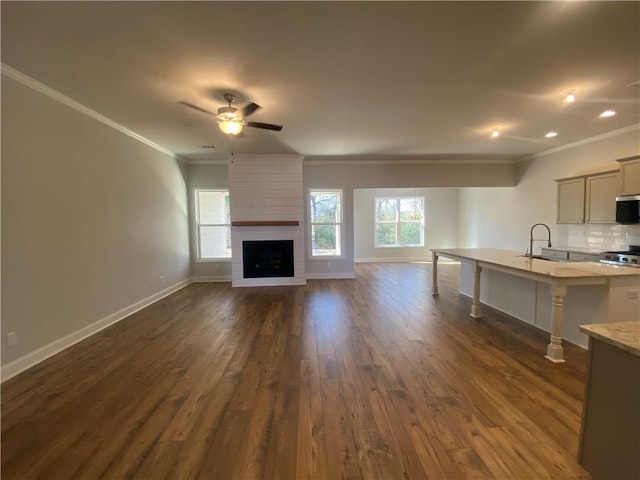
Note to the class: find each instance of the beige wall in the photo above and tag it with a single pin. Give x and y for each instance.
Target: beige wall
(206, 176)
(502, 217)
(91, 221)
(441, 223)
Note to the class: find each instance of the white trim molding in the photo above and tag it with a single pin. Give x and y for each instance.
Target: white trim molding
(21, 364)
(60, 97)
(585, 141)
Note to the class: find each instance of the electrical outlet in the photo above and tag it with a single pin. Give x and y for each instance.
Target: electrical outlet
(161, 278)
(632, 294)
(12, 338)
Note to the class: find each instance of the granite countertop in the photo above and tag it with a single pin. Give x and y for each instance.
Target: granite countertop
(587, 250)
(518, 261)
(624, 335)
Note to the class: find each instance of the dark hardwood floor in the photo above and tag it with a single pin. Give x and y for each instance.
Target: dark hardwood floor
(366, 378)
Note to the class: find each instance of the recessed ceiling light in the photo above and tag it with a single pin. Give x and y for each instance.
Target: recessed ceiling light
(607, 113)
(495, 133)
(551, 134)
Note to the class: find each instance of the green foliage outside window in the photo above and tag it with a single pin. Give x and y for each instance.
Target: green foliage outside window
(325, 222)
(399, 222)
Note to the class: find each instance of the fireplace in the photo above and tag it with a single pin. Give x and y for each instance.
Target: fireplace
(267, 258)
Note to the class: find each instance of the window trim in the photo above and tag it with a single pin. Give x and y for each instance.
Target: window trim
(310, 224)
(197, 225)
(397, 222)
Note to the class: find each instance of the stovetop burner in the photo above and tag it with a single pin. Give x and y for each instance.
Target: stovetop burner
(630, 258)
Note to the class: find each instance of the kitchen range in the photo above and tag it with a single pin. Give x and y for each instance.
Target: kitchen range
(628, 258)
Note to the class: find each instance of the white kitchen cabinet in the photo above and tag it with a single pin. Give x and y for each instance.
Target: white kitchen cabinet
(570, 200)
(629, 176)
(588, 198)
(600, 197)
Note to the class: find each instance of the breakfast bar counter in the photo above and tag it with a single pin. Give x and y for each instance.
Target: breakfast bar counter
(620, 283)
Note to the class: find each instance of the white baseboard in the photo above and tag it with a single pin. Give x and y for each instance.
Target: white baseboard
(330, 276)
(392, 260)
(21, 364)
(211, 278)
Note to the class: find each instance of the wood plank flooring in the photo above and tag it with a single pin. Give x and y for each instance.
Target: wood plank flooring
(362, 378)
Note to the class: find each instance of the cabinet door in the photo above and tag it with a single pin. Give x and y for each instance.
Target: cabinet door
(600, 204)
(571, 201)
(630, 177)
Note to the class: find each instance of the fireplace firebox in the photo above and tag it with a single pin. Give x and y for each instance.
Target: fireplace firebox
(267, 258)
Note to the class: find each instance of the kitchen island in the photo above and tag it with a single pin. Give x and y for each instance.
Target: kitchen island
(614, 288)
(610, 433)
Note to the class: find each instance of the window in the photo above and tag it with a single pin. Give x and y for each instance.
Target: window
(326, 222)
(213, 224)
(400, 222)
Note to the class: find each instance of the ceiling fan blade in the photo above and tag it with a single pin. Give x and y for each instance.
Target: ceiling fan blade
(249, 109)
(195, 107)
(266, 126)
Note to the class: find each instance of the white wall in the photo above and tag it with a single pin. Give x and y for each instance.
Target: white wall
(91, 221)
(502, 217)
(351, 176)
(441, 223)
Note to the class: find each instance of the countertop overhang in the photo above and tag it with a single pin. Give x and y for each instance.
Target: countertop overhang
(510, 260)
(624, 335)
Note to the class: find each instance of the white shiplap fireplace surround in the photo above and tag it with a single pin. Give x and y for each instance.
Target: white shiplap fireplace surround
(266, 199)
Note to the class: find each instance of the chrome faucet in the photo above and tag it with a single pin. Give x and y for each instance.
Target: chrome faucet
(531, 239)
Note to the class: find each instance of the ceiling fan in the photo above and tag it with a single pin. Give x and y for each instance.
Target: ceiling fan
(231, 120)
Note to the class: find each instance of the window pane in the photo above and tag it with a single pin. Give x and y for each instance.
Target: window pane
(215, 242)
(410, 233)
(386, 209)
(325, 239)
(325, 207)
(385, 234)
(410, 209)
(213, 207)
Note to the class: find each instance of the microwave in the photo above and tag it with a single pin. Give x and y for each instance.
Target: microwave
(628, 209)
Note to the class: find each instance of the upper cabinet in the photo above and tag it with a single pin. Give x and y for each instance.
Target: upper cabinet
(570, 200)
(629, 176)
(588, 198)
(600, 198)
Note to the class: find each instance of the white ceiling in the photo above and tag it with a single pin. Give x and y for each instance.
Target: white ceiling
(381, 80)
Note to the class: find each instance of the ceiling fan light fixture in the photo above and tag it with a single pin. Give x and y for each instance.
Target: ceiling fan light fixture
(230, 127)
(569, 96)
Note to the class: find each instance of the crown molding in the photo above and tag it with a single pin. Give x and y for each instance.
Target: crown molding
(586, 141)
(213, 161)
(402, 161)
(27, 81)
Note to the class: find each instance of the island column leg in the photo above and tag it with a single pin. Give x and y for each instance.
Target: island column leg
(475, 307)
(555, 352)
(434, 283)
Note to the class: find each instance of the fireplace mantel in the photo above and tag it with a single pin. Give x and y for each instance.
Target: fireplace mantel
(267, 223)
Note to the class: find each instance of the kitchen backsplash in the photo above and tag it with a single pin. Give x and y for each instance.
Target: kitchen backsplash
(598, 237)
